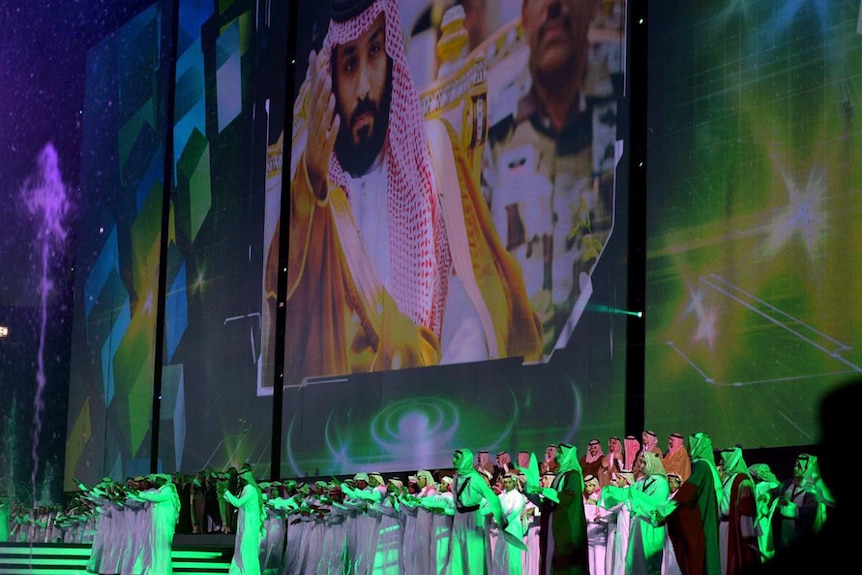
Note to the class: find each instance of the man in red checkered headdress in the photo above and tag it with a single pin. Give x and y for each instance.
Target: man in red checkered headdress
(393, 259)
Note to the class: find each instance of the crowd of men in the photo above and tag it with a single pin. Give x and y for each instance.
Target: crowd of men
(633, 508)
(435, 264)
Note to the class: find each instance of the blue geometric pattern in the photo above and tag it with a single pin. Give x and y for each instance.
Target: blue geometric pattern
(173, 408)
(107, 262)
(177, 311)
(109, 349)
(152, 177)
(228, 76)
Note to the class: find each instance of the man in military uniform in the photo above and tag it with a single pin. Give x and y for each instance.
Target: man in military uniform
(548, 166)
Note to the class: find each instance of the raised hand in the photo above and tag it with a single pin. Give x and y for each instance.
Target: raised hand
(323, 125)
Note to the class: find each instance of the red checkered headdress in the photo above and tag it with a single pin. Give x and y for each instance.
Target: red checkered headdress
(418, 250)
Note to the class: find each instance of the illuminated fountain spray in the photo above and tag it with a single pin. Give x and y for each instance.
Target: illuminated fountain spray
(44, 194)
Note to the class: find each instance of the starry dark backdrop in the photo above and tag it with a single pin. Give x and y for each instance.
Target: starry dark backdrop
(43, 51)
(43, 54)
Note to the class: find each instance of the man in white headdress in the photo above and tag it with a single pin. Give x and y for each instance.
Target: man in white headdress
(737, 510)
(250, 528)
(800, 506)
(164, 516)
(508, 559)
(564, 548)
(389, 235)
(469, 537)
(425, 551)
(365, 498)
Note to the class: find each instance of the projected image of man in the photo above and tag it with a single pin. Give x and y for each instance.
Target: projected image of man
(362, 79)
(381, 274)
(548, 168)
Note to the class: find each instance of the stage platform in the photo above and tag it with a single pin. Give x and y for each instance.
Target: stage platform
(192, 555)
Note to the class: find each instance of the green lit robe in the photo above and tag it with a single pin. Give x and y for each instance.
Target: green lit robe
(4, 522)
(246, 555)
(165, 514)
(508, 559)
(646, 541)
(469, 538)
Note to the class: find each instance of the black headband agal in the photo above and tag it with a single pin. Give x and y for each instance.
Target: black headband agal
(344, 10)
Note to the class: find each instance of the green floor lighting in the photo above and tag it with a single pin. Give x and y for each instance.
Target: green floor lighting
(58, 559)
(195, 554)
(53, 561)
(53, 550)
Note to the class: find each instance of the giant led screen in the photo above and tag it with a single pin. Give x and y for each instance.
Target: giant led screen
(230, 76)
(118, 250)
(210, 414)
(466, 286)
(456, 241)
(754, 194)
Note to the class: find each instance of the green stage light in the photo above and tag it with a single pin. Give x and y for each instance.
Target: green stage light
(606, 309)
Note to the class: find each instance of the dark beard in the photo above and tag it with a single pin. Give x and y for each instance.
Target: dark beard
(356, 159)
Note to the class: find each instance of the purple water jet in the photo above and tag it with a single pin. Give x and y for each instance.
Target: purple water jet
(44, 194)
